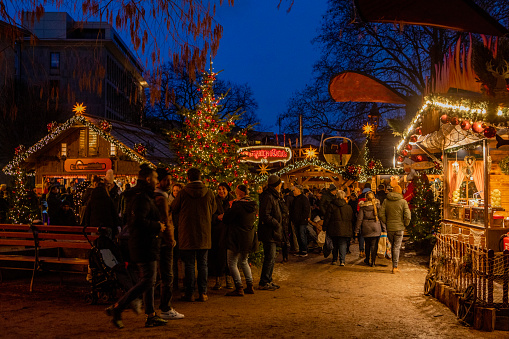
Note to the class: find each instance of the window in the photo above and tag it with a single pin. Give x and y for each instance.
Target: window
(83, 142)
(55, 60)
(113, 150)
(92, 143)
(63, 150)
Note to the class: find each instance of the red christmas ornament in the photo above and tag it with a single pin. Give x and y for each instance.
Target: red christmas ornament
(419, 158)
(418, 131)
(400, 159)
(413, 138)
(455, 121)
(490, 132)
(404, 153)
(408, 147)
(444, 119)
(477, 127)
(465, 125)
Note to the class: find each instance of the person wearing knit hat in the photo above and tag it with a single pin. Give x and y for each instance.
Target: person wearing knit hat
(395, 213)
(270, 229)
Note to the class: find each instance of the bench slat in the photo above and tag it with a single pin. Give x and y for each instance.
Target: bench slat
(17, 242)
(16, 257)
(28, 235)
(66, 236)
(71, 229)
(49, 260)
(14, 227)
(63, 244)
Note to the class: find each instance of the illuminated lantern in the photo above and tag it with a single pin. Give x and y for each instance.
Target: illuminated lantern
(465, 125)
(444, 119)
(413, 138)
(477, 127)
(408, 147)
(455, 121)
(490, 132)
(400, 159)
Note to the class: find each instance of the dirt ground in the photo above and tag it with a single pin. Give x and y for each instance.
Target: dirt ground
(316, 300)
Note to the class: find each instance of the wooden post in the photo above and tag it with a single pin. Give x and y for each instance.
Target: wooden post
(478, 319)
(490, 276)
(505, 300)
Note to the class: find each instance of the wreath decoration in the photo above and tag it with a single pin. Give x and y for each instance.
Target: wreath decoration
(51, 125)
(105, 125)
(140, 149)
(504, 165)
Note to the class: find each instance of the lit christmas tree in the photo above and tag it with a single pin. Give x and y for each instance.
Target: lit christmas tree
(426, 213)
(24, 204)
(208, 142)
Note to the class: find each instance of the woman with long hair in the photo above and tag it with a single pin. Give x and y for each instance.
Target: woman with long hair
(369, 226)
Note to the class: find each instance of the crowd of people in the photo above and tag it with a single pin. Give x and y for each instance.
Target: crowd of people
(158, 222)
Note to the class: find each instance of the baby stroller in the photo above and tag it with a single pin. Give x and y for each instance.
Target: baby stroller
(107, 271)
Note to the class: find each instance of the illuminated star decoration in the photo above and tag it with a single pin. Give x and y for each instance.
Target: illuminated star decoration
(310, 152)
(368, 129)
(79, 109)
(263, 169)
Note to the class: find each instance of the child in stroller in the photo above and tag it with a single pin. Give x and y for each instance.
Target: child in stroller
(108, 272)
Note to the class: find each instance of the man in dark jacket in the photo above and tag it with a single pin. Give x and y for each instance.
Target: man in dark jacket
(270, 230)
(327, 197)
(338, 225)
(144, 228)
(381, 194)
(195, 204)
(299, 214)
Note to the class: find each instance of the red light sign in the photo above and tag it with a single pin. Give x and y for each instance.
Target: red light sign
(265, 154)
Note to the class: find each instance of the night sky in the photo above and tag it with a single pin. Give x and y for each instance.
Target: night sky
(269, 49)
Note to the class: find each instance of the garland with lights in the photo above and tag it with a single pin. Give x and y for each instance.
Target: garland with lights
(208, 142)
(504, 165)
(11, 167)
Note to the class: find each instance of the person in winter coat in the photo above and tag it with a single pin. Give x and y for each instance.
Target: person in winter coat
(300, 211)
(167, 244)
(369, 225)
(218, 266)
(240, 238)
(54, 204)
(396, 215)
(338, 225)
(270, 230)
(195, 204)
(144, 229)
(101, 211)
(175, 189)
(327, 197)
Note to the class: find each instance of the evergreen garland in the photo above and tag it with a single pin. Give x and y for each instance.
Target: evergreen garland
(504, 165)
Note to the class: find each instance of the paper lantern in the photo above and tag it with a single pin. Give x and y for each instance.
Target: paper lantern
(477, 127)
(444, 119)
(490, 132)
(465, 125)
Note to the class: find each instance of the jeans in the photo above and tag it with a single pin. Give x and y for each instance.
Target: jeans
(233, 259)
(269, 256)
(361, 243)
(189, 257)
(340, 244)
(395, 238)
(371, 248)
(302, 238)
(166, 270)
(145, 287)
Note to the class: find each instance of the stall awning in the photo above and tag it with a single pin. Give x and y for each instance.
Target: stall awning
(458, 15)
(448, 136)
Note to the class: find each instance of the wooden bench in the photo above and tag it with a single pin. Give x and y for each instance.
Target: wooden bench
(26, 244)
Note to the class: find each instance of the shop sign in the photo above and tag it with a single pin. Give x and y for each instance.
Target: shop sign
(87, 165)
(423, 165)
(265, 154)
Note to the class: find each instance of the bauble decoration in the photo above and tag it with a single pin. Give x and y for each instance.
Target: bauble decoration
(408, 147)
(490, 132)
(477, 127)
(444, 119)
(400, 159)
(455, 121)
(418, 131)
(465, 125)
(404, 153)
(413, 138)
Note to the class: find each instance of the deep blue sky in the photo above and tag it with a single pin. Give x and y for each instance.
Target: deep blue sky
(269, 49)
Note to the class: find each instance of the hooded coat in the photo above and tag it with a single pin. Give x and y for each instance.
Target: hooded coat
(395, 212)
(366, 223)
(240, 219)
(338, 219)
(195, 204)
(270, 228)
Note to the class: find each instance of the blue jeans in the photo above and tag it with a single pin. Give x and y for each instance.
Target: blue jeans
(145, 287)
(233, 259)
(166, 270)
(189, 257)
(269, 257)
(395, 238)
(302, 238)
(361, 243)
(340, 244)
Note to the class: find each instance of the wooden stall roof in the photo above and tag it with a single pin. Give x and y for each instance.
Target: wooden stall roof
(123, 135)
